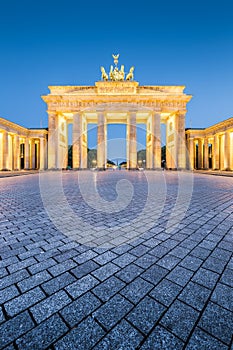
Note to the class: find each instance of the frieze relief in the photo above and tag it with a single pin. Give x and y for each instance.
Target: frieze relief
(74, 106)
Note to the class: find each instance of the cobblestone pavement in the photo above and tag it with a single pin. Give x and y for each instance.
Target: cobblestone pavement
(163, 289)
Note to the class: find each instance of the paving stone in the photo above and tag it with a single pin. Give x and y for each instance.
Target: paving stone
(154, 274)
(180, 319)
(24, 301)
(221, 254)
(136, 290)
(67, 255)
(106, 271)
(42, 336)
(84, 336)
(21, 265)
(152, 242)
(104, 258)
(123, 336)
(208, 244)
(81, 286)
(146, 261)
(159, 251)
(10, 347)
(146, 314)
(201, 253)
(204, 341)
(161, 339)
(113, 311)
(129, 273)
(195, 295)
(34, 281)
(179, 252)
(108, 288)
(87, 255)
(62, 267)
(170, 243)
(218, 322)
(13, 278)
(46, 255)
(2, 317)
(84, 269)
(191, 262)
(229, 265)
(14, 328)
(214, 264)
(180, 275)
(168, 262)
(10, 261)
(223, 296)
(122, 249)
(124, 260)
(166, 292)
(8, 293)
(57, 283)
(206, 278)
(80, 308)
(227, 277)
(226, 245)
(49, 306)
(10, 253)
(41, 266)
(28, 254)
(188, 243)
(139, 250)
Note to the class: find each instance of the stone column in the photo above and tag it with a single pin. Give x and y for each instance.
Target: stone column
(52, 140)
(148, 145)
(216, 153)
(200, 154)
(101, 142)
(191, 153)
(231, 152)
(76, 141)
(26, 154)
(32, 155)
(16, 153)
(156, 141)
(227, 150)
(132, 141)
(42, 153)
(206, 153)
(180, 140)
(84, 144)
(5, 151)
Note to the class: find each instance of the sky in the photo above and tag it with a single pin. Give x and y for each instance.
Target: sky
(64, 42)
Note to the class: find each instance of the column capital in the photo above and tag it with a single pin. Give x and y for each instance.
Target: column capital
(156, 110)
(52, 113)
(181, 112)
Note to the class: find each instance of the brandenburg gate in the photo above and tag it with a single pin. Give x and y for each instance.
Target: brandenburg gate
(116, 98)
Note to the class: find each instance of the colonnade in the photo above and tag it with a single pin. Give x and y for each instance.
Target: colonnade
(211, 148)
(58, 138)
(22, 148)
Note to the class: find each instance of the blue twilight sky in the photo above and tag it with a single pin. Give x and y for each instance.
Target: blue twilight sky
(48, 42)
